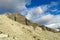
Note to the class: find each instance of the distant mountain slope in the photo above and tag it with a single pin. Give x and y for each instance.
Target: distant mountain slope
(21, 19)
(18, 31)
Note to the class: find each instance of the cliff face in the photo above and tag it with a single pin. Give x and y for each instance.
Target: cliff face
(19, 18)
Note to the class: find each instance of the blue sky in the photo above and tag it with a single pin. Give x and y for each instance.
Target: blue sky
(46, 12)
(36, 3)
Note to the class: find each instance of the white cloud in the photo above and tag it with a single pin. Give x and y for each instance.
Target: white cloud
(44, 19)
(51, 21)
(56, 19)
(36, 12)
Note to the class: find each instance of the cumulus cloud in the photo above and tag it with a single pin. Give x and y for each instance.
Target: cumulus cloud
(56, 19)
(55, 23)
(44, 19)
(35, 13)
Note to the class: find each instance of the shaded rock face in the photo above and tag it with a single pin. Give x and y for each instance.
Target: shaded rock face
(17, 17)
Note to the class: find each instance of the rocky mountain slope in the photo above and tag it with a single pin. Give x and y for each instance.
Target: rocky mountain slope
(12, 30)
(21, 19)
